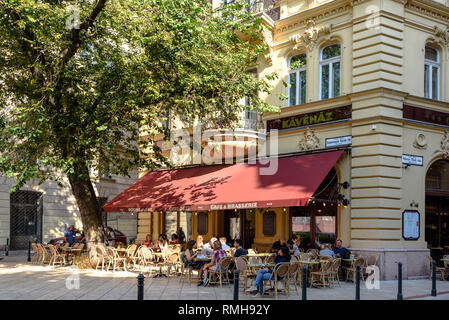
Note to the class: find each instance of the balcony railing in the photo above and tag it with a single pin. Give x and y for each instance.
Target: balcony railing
(259, 6)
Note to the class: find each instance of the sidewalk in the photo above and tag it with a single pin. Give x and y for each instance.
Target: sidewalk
(21, 280)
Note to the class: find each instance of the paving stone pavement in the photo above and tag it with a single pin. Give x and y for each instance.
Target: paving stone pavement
(22, 280)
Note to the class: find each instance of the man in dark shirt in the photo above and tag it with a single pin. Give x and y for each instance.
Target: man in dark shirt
(341, 252)
(239, 250)
(278, 245)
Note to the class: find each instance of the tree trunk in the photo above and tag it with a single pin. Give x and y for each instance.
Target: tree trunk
(86, 199)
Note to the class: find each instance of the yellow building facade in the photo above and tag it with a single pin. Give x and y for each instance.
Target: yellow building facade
(387, 63)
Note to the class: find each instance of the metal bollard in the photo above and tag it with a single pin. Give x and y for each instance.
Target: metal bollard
(357, 283)
(140, 286)
(29, 251)
(400, 281)
(304, 283)
(434, 279)
(236, 284)
(7, 247)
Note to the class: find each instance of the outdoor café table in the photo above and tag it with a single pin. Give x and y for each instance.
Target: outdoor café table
(158, 256)
(263, 256)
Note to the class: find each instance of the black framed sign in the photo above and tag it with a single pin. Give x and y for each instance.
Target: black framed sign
(410, 225)
(269, 223)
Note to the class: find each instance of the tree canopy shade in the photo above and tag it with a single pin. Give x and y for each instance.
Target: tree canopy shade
(79, 79)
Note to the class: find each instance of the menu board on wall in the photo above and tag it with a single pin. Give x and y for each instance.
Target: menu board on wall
(410, 225)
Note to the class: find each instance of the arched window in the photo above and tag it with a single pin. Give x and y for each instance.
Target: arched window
(330, 71)
(297, 80)
(432, 73)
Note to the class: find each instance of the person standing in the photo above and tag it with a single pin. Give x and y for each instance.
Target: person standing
(110, 237)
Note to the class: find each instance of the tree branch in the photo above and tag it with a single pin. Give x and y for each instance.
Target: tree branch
(69, 52)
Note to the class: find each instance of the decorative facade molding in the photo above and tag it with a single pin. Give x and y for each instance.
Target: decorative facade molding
(420, 141)
(444, 146)
(429, 9)
(326, 11)
(310, 141)
(311, 35)
(442, 35)
(268, 36)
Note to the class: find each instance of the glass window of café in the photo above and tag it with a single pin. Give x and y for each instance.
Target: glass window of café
(437, 209)
(178, 219)
(316, 223)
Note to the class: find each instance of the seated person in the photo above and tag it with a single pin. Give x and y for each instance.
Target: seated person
(148, 241)
(219, 254)
(342, 252)
(189, 256)
(174, 239)
(296, 244)
(326, 251)
(294, 250)
(224, 246)
(278, 245)
(208, 248)
(265, 273)
(239, 250)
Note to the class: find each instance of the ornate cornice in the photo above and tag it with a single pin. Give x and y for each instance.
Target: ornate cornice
(322, 12)
(429, 9)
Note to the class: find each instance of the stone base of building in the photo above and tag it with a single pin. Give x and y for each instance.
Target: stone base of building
(415, 262)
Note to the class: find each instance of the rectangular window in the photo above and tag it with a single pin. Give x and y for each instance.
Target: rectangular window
(302, 76)
(269, 223)
(336, 78)
(426, 81)
(202, 220)
(325, 81)
(292, 96)
(434, 83)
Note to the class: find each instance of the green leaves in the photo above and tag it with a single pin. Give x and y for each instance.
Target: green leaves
(139, 61)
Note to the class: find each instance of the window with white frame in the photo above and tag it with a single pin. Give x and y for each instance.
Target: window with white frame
(330, 71)
(297, 80)
(432, 73)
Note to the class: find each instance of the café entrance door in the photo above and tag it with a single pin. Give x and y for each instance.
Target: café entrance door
(437, 209)
(240, 224)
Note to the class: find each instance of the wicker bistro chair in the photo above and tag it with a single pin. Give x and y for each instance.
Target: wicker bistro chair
(215, 276)
(293, 271)
(132, 256)
(36, 254)
(334, 271)
(244, 272)
(279, 274)
(115, 260)
(352, 270)
(146, 258)
(102, 257)
(440, 271)
(56, 257)
(186, 272)
(323, 275)
(172, 262)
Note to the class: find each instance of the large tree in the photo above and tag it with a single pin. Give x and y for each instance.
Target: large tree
(79, 79)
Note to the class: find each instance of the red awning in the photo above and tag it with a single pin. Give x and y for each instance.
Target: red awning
(219, 187)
